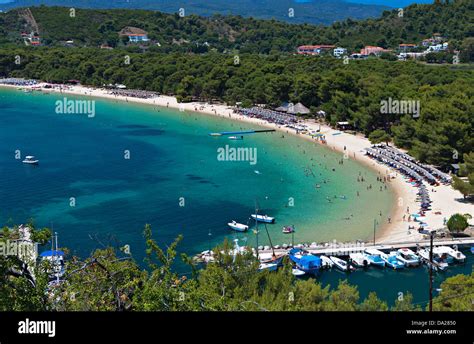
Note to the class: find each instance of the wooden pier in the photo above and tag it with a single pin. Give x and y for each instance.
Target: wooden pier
(342, 249)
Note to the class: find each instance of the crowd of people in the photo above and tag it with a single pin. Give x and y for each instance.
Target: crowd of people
(268, 115)
(134, 93)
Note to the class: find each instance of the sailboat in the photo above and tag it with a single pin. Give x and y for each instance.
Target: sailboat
(56, 259)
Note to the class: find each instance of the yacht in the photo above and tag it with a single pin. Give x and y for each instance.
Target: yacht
(238, 226)
(30, 159)
(407, 257)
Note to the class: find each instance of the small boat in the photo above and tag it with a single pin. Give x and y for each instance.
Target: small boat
(305, 261)
(238, 226)
(472, 249)
(438, 263)
(392, 261)
(257, 172)
(236, 137)
(407, 257)
(263, 218)
(30, 159)
(215, 134)
(288, 229)
(55, 259)
(451, 254)
(341, 264)
(268, 267)
(359, 259)
(326, 263)
(297, 272)
(373, 256)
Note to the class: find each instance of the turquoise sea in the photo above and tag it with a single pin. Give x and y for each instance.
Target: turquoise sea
(102, 178)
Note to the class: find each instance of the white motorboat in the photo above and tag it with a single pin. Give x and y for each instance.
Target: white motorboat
(407, 257)
(438, 263)
(297, 272)
(239, 227)
(30, 159)
(341, 264)
(268, 267)
(326, 263)
(374, 257)
(236, 137)
(359, 259)
(263, 218)
(451, 254)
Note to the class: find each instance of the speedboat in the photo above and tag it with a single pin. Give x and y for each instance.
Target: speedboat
(238, 226)
(407, 257)
(451, 254)
(341, 264)
(438, 263)
(373, 256)
(236, 137)
(305, 261)
(30, 159)
(288, 229)
(326, 263)
(263, 218)
(392, 261)
(359, 259)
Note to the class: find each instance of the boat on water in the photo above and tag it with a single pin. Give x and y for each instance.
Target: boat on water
(31, 160)
(391, 260)
(407, 257)
(206, 256)
(236, 137)
(263, 218)
(472, 249)
(451, 255)
(326, 263)
(288, 229)
(438, 262)
(239, 227)
(359, 260)
(305, 261)
(297, 272)
(341, 264)
(373, 256)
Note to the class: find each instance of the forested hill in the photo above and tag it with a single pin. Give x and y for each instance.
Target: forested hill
(190, 33)
(314, 12)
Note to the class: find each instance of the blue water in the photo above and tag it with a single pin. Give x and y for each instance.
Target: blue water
(171, 158)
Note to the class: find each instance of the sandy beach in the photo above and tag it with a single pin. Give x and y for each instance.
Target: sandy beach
(445, 200)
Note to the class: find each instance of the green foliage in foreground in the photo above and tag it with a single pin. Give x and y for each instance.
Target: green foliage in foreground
(106, 282)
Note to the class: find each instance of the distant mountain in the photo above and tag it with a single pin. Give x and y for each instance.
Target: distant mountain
(391, 3)
(305, 11)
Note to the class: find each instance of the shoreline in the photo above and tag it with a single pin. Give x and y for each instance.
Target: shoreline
(351, 146)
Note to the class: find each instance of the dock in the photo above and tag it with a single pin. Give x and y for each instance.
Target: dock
(245, 132)
(343, 249)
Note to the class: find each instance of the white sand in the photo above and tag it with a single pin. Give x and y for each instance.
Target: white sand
(444, 198)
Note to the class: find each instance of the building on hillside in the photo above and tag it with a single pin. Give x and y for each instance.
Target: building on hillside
(31, 38)
(314, 49)
(437, 48)
(134, 34)
(372, 50)
(338, 52)
(407, 47)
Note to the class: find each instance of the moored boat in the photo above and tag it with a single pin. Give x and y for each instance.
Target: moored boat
(297, 272)
(373, 256)
(438, 263)
(326, 263)
(341, 264)
(239, 227)
(305, 261)
(288, 229)
(451, 254)
(263, 218)
(392, 261)
(358, 259)
(407, 257)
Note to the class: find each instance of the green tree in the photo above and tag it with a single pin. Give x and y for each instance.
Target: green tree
(458, 223)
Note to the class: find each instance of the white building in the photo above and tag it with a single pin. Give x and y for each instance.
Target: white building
(338, 52)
